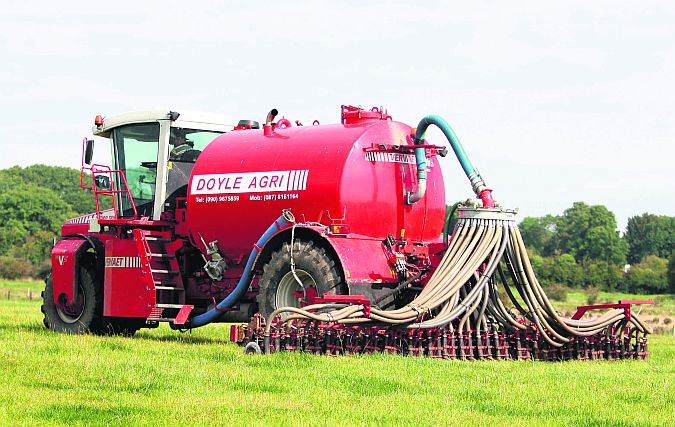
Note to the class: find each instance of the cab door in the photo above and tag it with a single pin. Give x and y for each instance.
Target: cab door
(137, 154)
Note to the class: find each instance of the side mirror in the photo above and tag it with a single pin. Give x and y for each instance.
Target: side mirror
(88, 151)
(102, 182)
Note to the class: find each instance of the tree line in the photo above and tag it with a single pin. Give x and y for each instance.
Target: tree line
(34, 203)
(580, 248)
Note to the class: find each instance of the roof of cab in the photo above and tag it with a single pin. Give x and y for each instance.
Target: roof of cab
(185, 117)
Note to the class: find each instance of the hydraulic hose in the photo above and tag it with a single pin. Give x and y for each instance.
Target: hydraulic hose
(421, 162)
(477, 183)
(284, 221)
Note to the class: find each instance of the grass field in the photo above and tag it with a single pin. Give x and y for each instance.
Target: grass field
(162, 377)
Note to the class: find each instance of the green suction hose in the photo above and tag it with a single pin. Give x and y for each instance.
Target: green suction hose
(477, 183)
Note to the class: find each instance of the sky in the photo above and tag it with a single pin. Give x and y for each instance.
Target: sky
(554, 103)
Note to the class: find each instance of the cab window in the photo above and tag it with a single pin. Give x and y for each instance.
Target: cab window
(185, 145)
(136, 149)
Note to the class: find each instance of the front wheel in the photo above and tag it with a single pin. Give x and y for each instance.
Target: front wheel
(315, 271)
(84, 315)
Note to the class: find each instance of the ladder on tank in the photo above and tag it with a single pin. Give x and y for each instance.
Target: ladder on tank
(161, 272)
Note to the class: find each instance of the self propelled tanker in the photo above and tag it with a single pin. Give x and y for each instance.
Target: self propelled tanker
(324, 238)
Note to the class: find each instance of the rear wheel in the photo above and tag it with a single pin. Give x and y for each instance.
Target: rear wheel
(316, 271)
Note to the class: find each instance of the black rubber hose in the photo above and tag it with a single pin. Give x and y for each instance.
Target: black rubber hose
(448, 218)
(507, 288)
(397, 289)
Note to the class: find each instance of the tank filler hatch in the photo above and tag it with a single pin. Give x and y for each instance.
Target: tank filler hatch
(353, 115)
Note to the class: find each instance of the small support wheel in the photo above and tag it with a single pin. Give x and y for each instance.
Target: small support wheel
(252, 348)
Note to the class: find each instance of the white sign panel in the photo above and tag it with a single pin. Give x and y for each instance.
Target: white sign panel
(122, 262)
(250, 182)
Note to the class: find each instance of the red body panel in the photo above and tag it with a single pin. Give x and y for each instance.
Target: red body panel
(243, 179)
(64, 265)
(125, 294)
(69, 229)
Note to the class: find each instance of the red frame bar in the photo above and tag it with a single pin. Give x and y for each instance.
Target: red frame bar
(625, 304)
(348, 299)
(103, 169)
(404, 149)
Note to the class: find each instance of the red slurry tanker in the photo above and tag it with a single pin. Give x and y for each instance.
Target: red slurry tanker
(324, 238)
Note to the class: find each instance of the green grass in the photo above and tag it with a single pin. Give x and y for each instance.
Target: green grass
(21, 289)
(162, 377)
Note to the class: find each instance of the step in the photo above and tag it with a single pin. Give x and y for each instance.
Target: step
(169, 305)
(164, 256)
(161, 282)
(180, 318)
(158, 239)
(165, 271)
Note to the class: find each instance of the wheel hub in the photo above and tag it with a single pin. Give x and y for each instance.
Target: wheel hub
(71, 313)
(288, 286)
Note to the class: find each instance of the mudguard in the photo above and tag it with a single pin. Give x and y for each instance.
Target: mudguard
(65, 262)
(364, 260)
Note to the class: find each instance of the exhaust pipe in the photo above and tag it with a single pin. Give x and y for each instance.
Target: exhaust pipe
(268, 129)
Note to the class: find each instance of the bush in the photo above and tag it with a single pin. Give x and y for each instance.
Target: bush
(667, 321)
(671, 273)
(557, 292)
(15, 268)
(649, 276)
(43, 269)
(559, 269)
(592, 296)
(601, 274)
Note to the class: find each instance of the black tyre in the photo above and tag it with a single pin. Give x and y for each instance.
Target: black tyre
(126, 327)
(85, 315)
(252, 348)
(313, 267)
